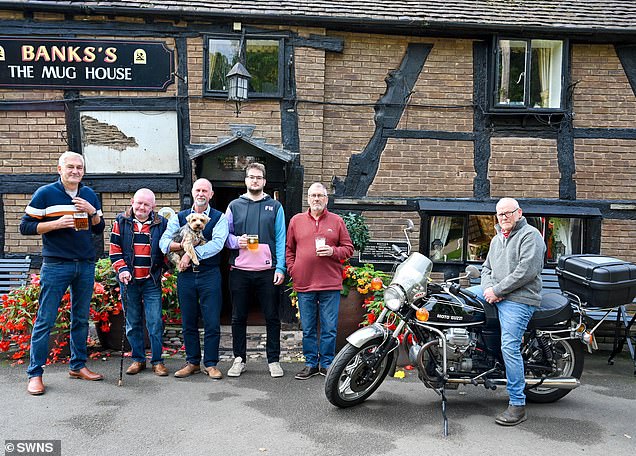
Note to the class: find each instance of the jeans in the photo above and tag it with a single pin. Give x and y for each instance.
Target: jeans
(55, 278)
(144, 296)
(328, 304)
(513, 320)
(200, 296)
(247, 287)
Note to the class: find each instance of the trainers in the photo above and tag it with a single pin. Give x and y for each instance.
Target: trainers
(307, 372)
(275, 370)
(187, 370)
(512, 416)
(238, 367)
(323, 371)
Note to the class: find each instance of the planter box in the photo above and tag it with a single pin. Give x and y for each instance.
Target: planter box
(112, 339)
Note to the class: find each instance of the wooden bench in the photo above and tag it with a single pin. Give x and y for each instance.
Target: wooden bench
(14, 273)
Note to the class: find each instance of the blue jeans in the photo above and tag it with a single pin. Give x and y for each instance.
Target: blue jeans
(200, 296)
(55, 278)
(513, 320)
(148, 292)
(327, 303)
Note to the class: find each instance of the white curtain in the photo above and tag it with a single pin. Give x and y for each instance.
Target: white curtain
(545, 70)
(563, 228)
(440, 226)
(505, 71)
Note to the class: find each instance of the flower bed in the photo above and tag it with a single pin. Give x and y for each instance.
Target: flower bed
(19, 311)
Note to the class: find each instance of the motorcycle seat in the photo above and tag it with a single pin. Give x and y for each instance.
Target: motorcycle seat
(554, 308)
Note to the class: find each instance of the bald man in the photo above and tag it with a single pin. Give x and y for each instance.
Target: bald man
(138, 263)
(199, 286)
(511, 281)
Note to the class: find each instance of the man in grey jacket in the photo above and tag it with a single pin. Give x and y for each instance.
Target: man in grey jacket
(511, 280)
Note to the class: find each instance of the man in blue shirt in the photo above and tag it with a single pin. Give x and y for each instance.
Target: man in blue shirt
(199, 287)
(68, 260)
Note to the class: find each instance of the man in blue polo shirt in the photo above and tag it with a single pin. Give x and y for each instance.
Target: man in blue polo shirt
(66, 214)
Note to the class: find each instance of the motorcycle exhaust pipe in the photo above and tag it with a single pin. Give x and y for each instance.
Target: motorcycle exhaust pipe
(566, 383)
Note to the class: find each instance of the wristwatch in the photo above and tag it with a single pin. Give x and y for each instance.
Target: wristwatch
(93, 214)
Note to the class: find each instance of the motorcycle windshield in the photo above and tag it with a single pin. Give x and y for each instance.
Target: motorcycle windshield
(412, 275)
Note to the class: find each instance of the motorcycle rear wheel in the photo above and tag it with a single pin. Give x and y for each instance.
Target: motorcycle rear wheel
(570, 363)
(345, 385)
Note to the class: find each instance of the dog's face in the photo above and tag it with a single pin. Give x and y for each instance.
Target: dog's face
(197, 222)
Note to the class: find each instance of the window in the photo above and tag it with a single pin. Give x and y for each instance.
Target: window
(263, 59)
(528, 74)
(562, 235)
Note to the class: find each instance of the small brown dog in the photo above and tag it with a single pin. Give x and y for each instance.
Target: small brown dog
(190, 235)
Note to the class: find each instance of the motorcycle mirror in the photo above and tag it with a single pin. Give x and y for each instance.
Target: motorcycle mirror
(472, 272)
(409, 225)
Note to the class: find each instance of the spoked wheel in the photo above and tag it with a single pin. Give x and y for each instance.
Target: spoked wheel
(350, 380)
(568, 357)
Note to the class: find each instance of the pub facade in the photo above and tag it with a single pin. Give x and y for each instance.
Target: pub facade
(422, 114)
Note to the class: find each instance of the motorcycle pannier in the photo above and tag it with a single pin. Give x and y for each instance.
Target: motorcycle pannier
(599, 281)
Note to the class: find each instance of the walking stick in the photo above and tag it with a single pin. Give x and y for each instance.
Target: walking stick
(124, 303)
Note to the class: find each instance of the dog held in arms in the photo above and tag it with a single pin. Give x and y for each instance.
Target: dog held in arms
(190, 235)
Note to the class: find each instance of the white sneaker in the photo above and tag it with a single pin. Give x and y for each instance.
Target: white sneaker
(275, 370)
(238, 367)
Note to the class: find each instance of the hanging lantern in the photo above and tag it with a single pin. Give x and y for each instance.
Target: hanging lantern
(238, 80)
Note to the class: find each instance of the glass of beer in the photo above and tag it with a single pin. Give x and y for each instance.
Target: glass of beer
(252, 241)
(320, 242)
(81, 220)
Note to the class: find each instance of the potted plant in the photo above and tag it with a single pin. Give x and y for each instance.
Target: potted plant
(358, 230)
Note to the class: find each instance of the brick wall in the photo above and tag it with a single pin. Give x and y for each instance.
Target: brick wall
(389, 225)
(425, 167)
(603, 96)
(605, 169)
(523, 168)
(617, 237)
(31, 142)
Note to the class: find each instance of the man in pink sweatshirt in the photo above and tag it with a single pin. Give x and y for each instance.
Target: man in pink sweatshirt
(317, 244)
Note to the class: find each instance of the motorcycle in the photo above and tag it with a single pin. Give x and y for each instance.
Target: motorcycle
(453, 338)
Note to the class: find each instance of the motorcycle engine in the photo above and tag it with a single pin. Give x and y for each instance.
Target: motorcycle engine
(459, 347)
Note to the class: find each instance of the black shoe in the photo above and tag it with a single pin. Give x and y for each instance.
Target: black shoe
(512, 416)
(307, 372)
(322, 371)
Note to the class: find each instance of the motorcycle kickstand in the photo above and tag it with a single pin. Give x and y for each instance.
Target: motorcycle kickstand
(444, 417)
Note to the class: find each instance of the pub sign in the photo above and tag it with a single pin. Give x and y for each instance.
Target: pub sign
(85, 64)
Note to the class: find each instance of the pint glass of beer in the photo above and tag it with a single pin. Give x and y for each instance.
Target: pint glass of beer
(252, 241)
(81, 220)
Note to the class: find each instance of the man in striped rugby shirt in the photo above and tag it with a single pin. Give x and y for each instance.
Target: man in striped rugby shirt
(138, 263)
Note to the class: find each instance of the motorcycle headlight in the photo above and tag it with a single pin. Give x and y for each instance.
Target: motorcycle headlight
(394, 298)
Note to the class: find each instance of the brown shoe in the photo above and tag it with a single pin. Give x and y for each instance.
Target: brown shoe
(35, 386)
(187, 370)
(135, 368)
(160, 370)
(214, 373)
(85, 374)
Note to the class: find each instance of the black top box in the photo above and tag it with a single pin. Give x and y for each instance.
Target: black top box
(599, 281)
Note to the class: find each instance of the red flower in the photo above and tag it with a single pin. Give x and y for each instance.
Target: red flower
(105, 327)
(371, 317)
(18, 355)
(98, 288)
(4, 345)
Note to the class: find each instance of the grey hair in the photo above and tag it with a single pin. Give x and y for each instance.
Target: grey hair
(62, 160)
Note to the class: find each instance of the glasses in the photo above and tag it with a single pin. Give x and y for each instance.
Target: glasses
(506, 214)
(316, 196)
(257, 178)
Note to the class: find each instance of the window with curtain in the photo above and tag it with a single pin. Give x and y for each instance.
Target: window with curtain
(528, 74)
(263, 58)
(447, 239)
(564, 236)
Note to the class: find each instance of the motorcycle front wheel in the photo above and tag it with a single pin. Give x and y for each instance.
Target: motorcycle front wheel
(568, 355)
(347, 382)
